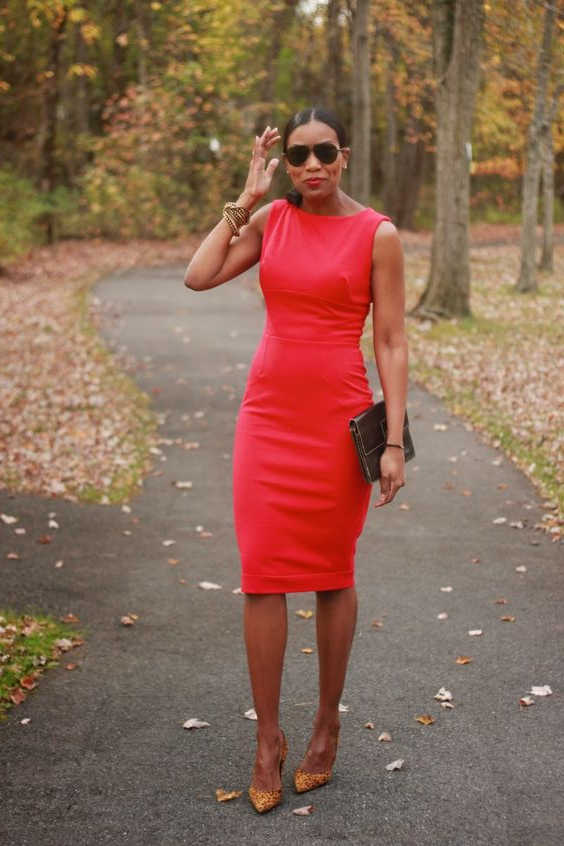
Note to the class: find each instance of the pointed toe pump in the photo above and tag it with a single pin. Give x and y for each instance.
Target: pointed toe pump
(304, 780)
(265, 800)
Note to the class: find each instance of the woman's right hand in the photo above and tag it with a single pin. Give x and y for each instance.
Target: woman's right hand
(260, 174)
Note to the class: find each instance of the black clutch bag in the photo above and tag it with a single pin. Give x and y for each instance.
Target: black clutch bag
(370, 432)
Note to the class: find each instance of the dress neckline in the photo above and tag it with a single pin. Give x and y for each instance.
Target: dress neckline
(330, 216)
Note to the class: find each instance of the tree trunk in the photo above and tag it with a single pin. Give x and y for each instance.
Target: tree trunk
(49, 157)
(527, 274)
(547, 257)
(361, 118)
(391, 151)
(457, 40)
(335, 95)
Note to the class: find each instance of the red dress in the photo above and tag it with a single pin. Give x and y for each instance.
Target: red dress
(299, 497)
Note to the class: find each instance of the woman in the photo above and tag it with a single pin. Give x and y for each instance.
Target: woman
(299, 497)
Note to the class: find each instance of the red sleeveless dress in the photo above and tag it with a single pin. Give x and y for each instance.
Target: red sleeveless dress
(299, 497)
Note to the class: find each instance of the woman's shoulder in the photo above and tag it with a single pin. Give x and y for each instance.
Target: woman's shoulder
(261, 216)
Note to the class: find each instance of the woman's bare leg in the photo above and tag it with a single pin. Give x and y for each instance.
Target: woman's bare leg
(336, 623)
(266, 632)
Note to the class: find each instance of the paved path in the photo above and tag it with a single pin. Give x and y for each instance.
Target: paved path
(105, 759)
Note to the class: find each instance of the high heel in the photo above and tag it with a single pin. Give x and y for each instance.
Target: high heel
(265, 800)
(303, 780)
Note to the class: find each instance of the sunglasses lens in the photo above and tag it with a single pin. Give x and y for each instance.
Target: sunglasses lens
(297, 154)
(326, 153)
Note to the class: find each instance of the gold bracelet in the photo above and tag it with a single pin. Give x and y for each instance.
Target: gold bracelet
(236, 216)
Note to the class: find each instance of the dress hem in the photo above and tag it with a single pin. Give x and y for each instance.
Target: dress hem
(255, 583)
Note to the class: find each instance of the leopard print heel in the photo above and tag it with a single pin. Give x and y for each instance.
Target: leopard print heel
(304, 780)
(265, 800)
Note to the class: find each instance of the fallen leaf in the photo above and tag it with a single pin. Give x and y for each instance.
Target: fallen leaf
(28, 682)
(172, 561)
(369, 725)
(53, 524)
(70, 618)
(237, 590)
(304, 811)
(395, 765)
(517, 524)
(251, 714)
(45, 539)
(343, 708)
(58, 564)
(19, 531)
(541, 690)
(447, 705)
(205, 534)
(307, 650)
(209, 586)
(305, 614)
(507, 618)
(385, 737)
(126, 620)
(225, 796)
(64, 644)
(501, 601)
(442, 615)
(440, 427)
(25, 721)
(463, 659)
(475, 560)
(443, 695)
(405, 507)
(377, 624)
(13, 556)
(425, 719)
(521, 569)
(168, 542)
(71, 666)
(194, 723)
(466, 492)
(526, 701)
(499, 520)
(182, 484)
(475, 632)
(8, 519)
(17, 696)
(446, 589)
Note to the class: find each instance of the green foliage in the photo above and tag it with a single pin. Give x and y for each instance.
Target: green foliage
(20, 209)
(27, 649)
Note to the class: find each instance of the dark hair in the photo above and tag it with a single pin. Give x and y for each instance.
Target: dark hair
(305, 116)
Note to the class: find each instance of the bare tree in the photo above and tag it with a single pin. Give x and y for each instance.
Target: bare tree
(335, 95)
(457, 41)
(547, 255)
(538, 131)
(361, 100)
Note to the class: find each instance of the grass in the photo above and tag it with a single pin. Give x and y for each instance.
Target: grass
(29, 645)
(142, 418)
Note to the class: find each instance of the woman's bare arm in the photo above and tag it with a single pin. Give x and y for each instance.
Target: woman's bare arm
(221, 255)
(390, 349)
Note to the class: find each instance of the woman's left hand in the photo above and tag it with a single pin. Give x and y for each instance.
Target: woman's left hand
(392, 474)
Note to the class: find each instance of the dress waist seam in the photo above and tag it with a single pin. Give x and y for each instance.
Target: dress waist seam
(349, 344)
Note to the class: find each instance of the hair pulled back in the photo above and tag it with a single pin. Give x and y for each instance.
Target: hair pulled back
(302, 117)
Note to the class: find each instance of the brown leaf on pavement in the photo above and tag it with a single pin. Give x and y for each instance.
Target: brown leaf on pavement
(425, 719)
(226, 795)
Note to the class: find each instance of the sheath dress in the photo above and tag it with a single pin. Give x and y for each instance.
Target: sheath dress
(299, 497)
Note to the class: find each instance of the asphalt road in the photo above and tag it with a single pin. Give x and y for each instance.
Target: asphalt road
(105, 758)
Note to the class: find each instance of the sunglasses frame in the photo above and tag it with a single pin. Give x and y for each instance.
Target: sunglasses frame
(313, 150)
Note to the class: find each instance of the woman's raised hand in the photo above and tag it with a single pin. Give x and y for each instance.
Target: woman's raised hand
(260, 174)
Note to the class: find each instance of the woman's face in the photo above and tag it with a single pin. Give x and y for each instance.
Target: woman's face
(313, 179)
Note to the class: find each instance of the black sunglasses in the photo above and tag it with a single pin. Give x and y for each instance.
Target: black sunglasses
(326, 152)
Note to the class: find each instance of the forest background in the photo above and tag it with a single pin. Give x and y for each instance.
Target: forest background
(128, 118)
(123, 120)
